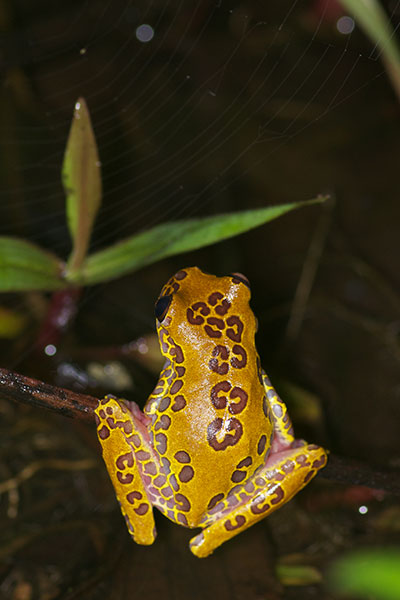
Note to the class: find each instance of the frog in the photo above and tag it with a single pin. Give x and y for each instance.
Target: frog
(214, 446)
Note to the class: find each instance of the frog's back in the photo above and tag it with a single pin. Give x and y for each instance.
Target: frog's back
(211, 421)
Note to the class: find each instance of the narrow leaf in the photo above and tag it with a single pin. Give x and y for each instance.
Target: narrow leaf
(24, 266)
(81, 178)
(172, 238)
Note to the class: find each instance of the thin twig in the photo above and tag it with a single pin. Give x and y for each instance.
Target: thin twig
(309, 272)
(17, 388)
(346, 470)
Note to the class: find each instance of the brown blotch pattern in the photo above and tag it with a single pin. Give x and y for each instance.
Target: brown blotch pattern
(186, 474)
(259, 505)
(240, 521)
(104, 433)
(161, 441)
(214, 500)
(234, 432)
(236, 328)
(240, 360)
(180, 275)
(182, 519)
(238, 476)
(246, 462)
(165, 402)
(183, 502)
(179, 403)
(142, 509)
(279, 493)
(132, 496)
(176, 386)
(182, 456)
(261, 444)
(125, 460)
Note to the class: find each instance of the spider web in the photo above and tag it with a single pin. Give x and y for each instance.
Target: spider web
(200, 108)
(187, 99)
(197, 107)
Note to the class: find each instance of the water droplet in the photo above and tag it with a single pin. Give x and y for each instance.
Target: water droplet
(144, 33)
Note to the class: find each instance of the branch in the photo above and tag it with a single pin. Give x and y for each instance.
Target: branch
(354, 472)
(26, 390)
(18, 388)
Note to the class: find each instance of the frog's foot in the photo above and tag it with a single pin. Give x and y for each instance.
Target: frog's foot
(282, 476)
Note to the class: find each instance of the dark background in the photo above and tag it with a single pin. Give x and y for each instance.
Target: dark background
(230, 106)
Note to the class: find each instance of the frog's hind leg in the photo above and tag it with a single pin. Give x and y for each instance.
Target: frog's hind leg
(122, 434)
(289, 466)
(271, 486)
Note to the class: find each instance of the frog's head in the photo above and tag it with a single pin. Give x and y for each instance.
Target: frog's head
(196, 309)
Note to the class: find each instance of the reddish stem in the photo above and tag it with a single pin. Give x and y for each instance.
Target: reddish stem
(61, 311)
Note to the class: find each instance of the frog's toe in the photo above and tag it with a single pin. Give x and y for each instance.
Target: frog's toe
(197, 546)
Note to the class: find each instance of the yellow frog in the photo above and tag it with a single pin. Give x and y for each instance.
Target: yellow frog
(214, 447)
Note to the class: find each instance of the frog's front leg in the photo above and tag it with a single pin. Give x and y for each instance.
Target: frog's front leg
(283, 475)
(123, 435)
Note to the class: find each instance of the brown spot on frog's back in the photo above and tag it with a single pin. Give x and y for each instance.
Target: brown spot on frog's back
(261, 444)
(163, 423)
(179, 403)
(176, 386)
(235, 328)
(186, 474)
(238, 476)
(246, 462)
(182, 456)
(183, 502)
(214, 500)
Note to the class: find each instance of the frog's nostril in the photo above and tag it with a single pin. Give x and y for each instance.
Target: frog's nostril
(161, 307)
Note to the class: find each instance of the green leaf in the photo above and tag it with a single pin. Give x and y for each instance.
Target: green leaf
(172, 238)
(369, 573)
(372, 18)
(81, 178)
(298, 574)
(24, 266)
(12, 323)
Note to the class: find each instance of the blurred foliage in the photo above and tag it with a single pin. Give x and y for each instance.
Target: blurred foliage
(372, 574)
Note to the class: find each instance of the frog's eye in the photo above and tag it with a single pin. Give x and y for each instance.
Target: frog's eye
(161, 307)
(240, 278)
